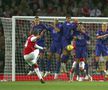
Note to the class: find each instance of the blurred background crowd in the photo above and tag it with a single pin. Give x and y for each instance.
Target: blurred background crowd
(93, 8)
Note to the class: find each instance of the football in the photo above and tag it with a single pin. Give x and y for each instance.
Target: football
(70, 47)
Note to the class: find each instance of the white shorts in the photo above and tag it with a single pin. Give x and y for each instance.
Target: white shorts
(82, 64)
(32, 57)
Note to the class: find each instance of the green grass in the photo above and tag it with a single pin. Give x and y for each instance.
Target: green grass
(54, 85)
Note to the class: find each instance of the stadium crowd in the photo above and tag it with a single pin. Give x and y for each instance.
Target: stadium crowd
(92, 8)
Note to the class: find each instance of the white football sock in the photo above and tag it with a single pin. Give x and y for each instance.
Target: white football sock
(38, 73)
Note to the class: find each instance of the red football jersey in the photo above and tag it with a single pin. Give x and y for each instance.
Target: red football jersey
(29, 45)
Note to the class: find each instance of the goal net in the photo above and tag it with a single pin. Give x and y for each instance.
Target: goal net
(16, 31)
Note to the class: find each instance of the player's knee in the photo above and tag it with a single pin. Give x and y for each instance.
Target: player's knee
(97, 58)
(106, 58)
(35, 65)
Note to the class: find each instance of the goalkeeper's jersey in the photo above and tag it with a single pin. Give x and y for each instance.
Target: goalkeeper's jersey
(29, 45)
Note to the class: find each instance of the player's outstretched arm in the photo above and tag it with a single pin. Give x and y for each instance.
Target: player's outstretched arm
(40, 47)
(55, 27)
(102, 36)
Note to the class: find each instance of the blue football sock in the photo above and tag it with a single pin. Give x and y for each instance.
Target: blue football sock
(48, 66)
(97, 65)
(41, 64)
(86, 68)
(77, 69)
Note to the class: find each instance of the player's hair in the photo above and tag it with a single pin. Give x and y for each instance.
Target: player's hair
(68, 16)
(79, 25)
(36, 17)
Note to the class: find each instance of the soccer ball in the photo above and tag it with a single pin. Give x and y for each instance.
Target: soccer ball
(70, 47)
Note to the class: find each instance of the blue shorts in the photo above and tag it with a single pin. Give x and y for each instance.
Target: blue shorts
(56, 47)
(101, 50)
(81, 52)
(65, 42)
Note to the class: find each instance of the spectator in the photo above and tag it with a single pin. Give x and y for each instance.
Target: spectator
(1, 12)
(105, 11)
(85, 10)
(24, 8)
(45, 7)
(7, 12)
(95, 12)
(73, 8)
(59, 11)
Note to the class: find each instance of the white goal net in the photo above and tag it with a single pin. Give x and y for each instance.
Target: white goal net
(16, 31)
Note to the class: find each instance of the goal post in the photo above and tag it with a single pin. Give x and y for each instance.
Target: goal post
(16, 31)
(13, 48)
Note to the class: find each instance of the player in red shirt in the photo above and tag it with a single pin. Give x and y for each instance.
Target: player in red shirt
(31, 52)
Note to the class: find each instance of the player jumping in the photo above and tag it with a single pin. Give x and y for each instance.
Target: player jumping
(67, 30)
(80, 37)
(55, 48)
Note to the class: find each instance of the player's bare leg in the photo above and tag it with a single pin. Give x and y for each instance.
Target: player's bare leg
(71, 72)
(36, 69)
(81, 67)
(64, 59)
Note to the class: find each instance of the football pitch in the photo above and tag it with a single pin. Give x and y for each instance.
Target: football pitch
(53, 85)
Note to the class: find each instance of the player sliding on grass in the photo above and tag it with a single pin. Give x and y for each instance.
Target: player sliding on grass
(31, 52)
